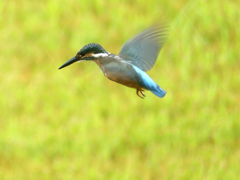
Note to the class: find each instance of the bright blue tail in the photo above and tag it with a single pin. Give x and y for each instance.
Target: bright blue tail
(146, 82)
(159, 92)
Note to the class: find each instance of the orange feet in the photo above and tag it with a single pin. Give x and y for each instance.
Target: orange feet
(141, 90)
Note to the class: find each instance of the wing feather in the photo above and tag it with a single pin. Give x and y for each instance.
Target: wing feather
(143, 50)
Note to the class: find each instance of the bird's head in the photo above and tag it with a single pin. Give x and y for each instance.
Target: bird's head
(91, 51)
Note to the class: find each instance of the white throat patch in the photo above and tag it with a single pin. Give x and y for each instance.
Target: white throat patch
(100, 55)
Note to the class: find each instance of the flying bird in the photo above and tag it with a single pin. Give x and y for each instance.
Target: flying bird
(129, 67)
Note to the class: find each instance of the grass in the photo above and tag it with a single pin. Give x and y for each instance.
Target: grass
(76, 124)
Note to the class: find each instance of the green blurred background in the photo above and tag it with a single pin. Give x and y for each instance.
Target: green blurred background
(76, 124)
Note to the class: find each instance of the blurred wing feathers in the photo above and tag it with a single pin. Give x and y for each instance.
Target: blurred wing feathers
(143, 50)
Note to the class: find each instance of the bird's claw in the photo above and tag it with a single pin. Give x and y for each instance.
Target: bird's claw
(143, 95)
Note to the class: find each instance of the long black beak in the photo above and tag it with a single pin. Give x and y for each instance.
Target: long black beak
(70, 61)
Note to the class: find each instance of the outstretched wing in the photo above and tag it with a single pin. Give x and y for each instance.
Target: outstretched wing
(143, 50)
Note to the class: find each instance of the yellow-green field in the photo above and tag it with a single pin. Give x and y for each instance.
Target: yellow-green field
(76, 124)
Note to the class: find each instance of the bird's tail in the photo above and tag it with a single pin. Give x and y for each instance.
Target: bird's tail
(159, 92)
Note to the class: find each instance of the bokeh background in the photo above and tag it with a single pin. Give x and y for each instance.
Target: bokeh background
(76, 124)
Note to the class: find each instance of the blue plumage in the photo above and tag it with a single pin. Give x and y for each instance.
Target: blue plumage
(137, 55)
(147, 83)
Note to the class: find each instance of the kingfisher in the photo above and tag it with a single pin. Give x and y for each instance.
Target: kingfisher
(129, 67)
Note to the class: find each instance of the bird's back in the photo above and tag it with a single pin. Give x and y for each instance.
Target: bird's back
(120, 71)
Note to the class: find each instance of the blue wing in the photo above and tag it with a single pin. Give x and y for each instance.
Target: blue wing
(143, 50)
